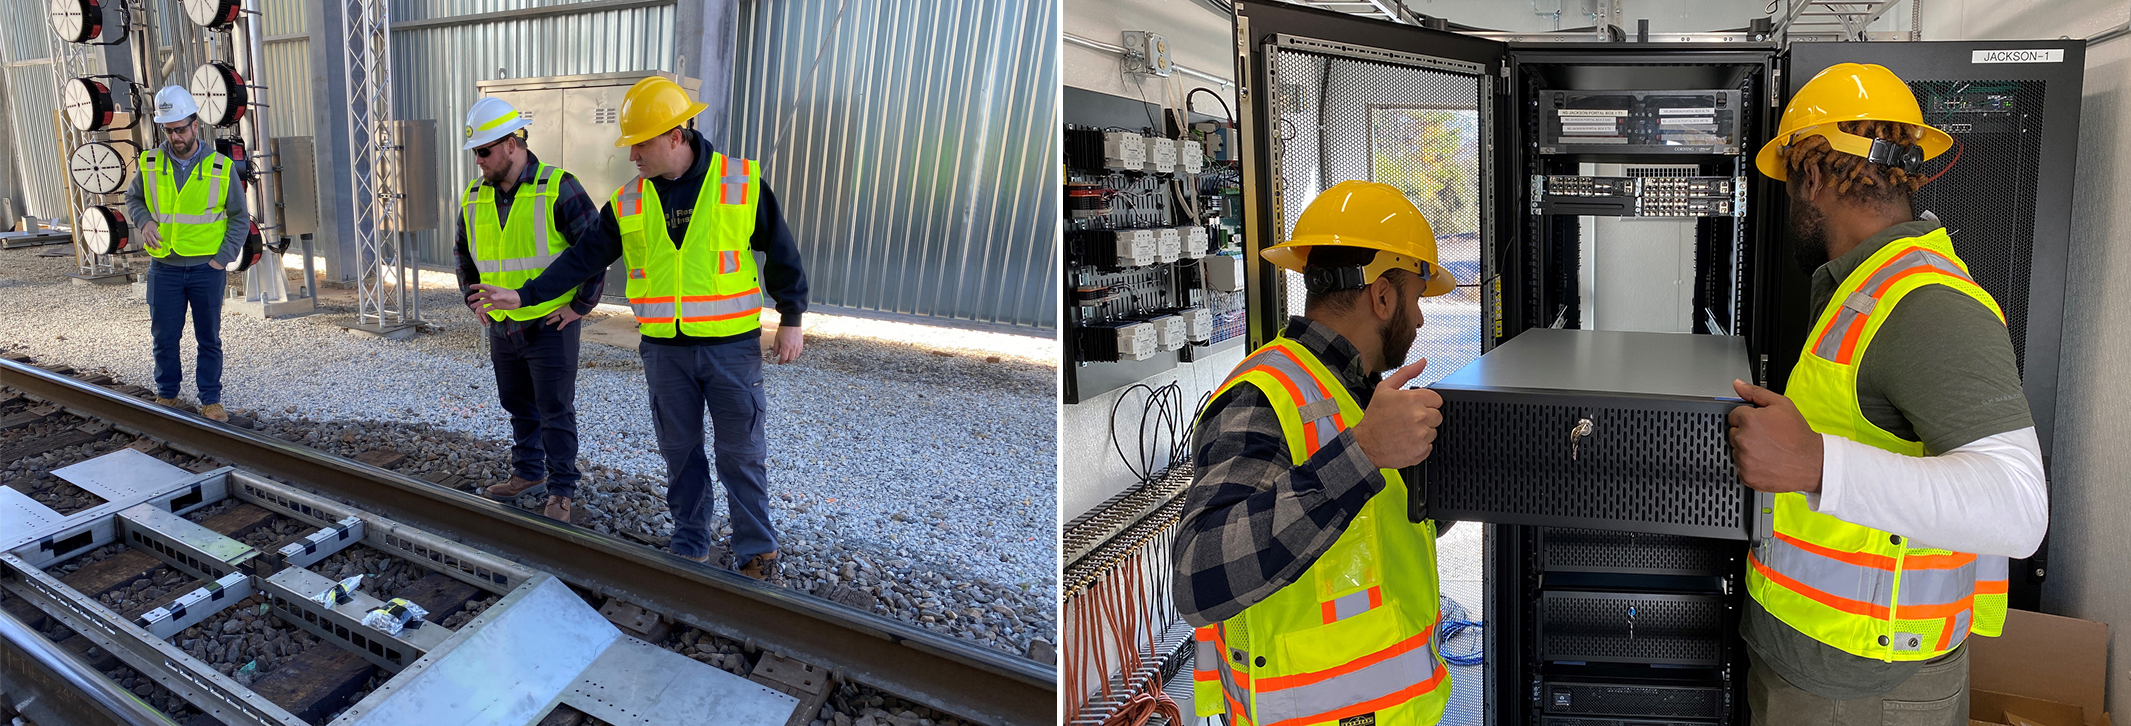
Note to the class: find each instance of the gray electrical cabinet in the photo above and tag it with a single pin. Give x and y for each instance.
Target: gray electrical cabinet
(575, 124)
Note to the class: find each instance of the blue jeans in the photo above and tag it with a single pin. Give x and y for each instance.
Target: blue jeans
(171, 290)
(536, 378)
(727, 380)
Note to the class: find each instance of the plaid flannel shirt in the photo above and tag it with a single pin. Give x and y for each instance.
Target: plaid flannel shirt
(1255, 520)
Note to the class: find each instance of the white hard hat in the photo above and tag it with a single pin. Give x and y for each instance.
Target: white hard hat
(173, 104)
(490, 119)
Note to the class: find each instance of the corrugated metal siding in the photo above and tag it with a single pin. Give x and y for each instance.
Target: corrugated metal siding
(434, 70)
(285, 17)
(24, 30)
(288, 92)
(915, 166)
(31, 103)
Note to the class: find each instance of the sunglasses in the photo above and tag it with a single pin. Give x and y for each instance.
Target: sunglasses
(484, 151)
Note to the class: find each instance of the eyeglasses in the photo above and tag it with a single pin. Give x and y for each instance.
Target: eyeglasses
(187, 129)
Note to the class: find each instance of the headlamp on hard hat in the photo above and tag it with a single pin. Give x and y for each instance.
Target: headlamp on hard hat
(1906, 157)
(1322, 280)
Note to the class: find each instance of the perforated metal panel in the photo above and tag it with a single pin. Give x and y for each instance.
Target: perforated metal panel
(1986, 195)
(1631, 628)
(1659, 470)
(1591, 550)
(1420, 129)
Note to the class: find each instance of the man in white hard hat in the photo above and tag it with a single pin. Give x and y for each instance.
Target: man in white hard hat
(193, 224)
(514, 220)
(690, 226)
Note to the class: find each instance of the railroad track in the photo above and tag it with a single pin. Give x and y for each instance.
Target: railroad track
(179, 547)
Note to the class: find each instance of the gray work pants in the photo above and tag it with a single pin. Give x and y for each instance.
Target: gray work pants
(1936, 696)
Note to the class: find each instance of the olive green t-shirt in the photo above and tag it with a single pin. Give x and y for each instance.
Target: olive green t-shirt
(1940, 371)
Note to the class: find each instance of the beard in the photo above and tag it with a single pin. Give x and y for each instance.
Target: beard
(1809, 236)
(1398, 334)
(495, 178)
(185, 150)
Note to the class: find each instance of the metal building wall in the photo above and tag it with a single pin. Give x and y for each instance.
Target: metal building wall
(288, 67)
(436, 60)
(913, 145)
(38, 171)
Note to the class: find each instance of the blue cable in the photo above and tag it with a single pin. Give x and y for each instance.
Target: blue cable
(1454, 622)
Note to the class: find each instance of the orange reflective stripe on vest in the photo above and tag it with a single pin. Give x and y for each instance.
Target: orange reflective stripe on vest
(704, 308)
(732, 188)
(1321, 420)
(1364, 685)
(1857, 306)
(1211, 663)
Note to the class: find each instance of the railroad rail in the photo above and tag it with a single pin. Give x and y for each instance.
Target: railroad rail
(528, 557)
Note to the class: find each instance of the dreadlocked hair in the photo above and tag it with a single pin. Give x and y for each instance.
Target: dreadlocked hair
(1854, 177)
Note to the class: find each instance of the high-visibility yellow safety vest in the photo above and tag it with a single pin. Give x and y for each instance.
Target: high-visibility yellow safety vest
(190, 222)
(1355, 636)
(1870, 593)
(509, 253)
(707, 287)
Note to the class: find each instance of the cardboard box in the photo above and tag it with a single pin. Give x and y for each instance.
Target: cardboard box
(2045, 671)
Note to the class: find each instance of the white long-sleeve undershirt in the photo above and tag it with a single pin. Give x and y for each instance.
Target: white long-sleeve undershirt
(1985, 497)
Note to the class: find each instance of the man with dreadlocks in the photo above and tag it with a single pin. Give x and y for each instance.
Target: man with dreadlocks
(1903, 456)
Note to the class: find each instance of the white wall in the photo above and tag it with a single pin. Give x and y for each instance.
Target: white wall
(2091, 502)
(1090, 471)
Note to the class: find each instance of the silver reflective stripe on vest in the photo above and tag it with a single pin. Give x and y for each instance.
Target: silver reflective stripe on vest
(1868, 585)
(1990, 568)
(1378, 680)
(1960, 628)
(516, 264)
(629, 203)
(734, 184)
(1350, 605)
(1313, 406)
(542, 214)
(1236, 692)
(716, 308)
(1830, 345)
(1937, 587)
(653, 311)
(1826, 574)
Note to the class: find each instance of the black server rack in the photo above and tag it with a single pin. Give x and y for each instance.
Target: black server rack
(1616, 531)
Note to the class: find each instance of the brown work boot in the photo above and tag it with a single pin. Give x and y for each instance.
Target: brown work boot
(558, 508)
(214, 412)
(761, 567)
(161, 401)
(511, 490)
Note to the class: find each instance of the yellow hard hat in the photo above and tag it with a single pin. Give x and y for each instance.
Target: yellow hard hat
(1367, 215)
(654, 106)
(1848, 92)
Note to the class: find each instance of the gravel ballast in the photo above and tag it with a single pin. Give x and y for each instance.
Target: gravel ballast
(912, 468)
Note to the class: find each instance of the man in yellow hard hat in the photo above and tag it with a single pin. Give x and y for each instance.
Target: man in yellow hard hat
(690, 226)
(1314, 595)
(1902, 454)
(513, 221)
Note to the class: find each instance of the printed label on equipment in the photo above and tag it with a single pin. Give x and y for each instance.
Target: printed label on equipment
(1704, 111)
(1590, 112)
(1696, 121)
(2052, 55)
(1367, 719)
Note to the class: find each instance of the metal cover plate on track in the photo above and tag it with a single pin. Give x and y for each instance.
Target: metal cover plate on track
(124, 475)
(22, 518)
(636, 683)
(510, 670)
